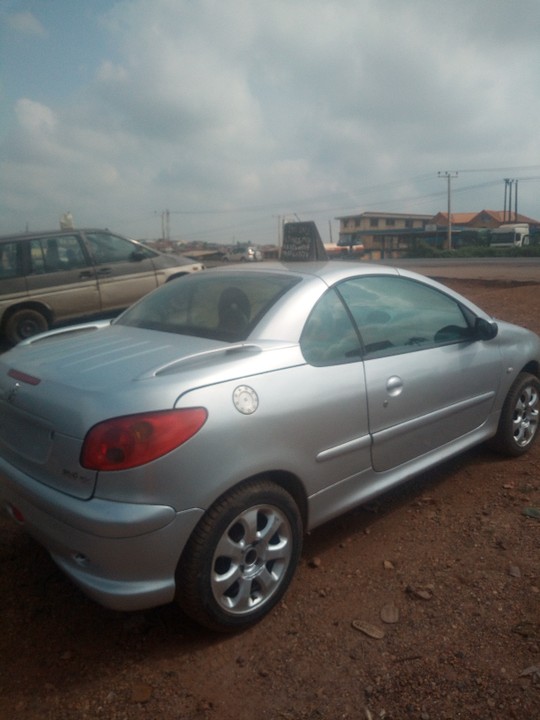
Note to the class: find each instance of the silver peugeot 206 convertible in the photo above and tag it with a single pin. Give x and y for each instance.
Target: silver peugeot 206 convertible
(180, 451)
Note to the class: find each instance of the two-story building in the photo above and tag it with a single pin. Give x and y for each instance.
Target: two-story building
(382, 234)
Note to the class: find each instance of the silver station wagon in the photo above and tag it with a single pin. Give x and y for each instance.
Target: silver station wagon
(180, 451)
(51, 277)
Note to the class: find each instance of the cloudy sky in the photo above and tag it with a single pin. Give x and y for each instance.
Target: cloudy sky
(235, 114)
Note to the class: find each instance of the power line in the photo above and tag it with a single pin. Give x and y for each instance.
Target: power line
(299, 203)
(356, 197)
(503, 169)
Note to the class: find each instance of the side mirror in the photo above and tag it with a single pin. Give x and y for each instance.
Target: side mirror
(137, 255)
(485, 330)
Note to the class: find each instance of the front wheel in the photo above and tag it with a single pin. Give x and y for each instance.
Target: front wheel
(241, 557)
(520, 415)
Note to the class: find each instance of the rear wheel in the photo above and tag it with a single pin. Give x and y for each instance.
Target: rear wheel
(241, 557)
(520, 415)
(23, 324)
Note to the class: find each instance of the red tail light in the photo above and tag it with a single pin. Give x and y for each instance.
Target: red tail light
(133, 440)
(23, 377)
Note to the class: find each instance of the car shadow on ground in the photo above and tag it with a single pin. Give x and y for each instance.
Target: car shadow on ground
(359, 520)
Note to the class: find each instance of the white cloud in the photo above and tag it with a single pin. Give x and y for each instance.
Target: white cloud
(282, 106)
(35, 118)
(26, 23)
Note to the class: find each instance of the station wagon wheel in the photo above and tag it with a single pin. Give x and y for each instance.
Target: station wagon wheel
(24, 323)
(520, 415)
(241, 557)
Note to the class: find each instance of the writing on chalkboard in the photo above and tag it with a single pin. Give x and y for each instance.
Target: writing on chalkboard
(302, 242)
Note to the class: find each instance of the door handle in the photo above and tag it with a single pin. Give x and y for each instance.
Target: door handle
(86, 275)
(104, 271)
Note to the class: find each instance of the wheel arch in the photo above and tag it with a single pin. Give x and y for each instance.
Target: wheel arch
(282, 478)
(532, 367)
(291, 484)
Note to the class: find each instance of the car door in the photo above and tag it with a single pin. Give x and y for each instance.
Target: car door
(124, 269)
(338, 416)
(429, 381)
(61, 276)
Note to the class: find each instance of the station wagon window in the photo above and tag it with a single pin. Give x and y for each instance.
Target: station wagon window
(10, 265)
(55, 254)
(397, 315)
(107, 248)
(329, 337)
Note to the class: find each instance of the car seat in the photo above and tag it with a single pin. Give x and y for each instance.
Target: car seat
(234, 311)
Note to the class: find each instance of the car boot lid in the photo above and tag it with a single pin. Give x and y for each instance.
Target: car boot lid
(103, 355)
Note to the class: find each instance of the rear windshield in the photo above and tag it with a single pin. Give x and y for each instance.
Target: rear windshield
(223, 306)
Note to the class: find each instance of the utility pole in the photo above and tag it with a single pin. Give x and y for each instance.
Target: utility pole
(165, 225)
(279, 231)
(507, 215)
(449, 175)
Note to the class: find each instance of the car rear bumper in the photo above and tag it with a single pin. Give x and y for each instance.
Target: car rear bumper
(122, 555)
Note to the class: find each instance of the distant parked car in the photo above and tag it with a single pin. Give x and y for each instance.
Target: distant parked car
(181, 451)
(244, 254)
(51, 277)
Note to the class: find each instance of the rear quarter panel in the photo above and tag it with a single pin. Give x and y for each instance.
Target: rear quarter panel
(311, 422)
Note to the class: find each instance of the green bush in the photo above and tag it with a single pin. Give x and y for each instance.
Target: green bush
(476, 251)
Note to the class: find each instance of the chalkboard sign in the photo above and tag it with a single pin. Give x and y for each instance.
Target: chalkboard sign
(302, 242)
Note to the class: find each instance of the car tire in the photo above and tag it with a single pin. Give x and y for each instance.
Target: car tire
(241, 557)
(24, 323)
(520, 415)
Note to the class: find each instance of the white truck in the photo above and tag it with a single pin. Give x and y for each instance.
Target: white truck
(510, 235)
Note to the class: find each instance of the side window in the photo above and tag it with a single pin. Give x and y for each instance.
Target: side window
(107, 248)
(10, 265)
(71, 252)
(37, 257)
(397, 315)
(329, 336)
(56, 254)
